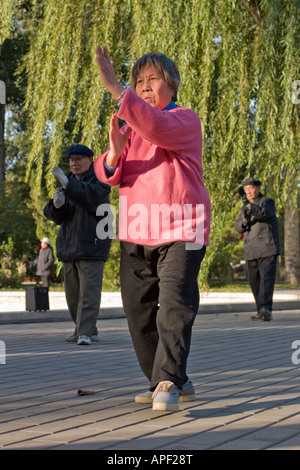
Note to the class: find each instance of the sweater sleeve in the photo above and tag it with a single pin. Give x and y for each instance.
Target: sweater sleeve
(170, 129)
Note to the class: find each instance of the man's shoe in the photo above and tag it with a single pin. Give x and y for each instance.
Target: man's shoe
(144, 398)
(266, 314)
(84, 340)
(165, 397)
(72, 338)
(257, 317)
(186, 394)
(95, 338)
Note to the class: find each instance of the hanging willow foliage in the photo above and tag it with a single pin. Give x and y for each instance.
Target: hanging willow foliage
(238, 61)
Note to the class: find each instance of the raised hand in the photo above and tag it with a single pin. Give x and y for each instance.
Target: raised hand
(59, 198)
(56, 171)
(117, 142)
(107, 72)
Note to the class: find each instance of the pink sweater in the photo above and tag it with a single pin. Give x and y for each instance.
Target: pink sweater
(160, 176)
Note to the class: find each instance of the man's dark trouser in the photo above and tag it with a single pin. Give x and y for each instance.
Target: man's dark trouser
(83, 285)
(262, 274)
(161, 298)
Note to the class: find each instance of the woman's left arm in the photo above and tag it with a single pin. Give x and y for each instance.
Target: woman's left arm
(177, 130)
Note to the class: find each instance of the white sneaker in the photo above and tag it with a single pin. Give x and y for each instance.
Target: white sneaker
(165, 397)
(74, 338)
(186, 394)
(84, 340)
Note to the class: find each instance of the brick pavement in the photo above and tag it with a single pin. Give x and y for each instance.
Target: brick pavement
(248, 390)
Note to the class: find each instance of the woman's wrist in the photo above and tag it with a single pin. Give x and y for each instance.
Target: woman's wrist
(112, 160)
(120, 97)
(117, 91)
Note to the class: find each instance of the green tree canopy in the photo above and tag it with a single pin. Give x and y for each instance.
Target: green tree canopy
(238, 62)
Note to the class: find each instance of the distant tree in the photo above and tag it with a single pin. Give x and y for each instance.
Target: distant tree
(291, 242)
(238, 63)
(18, 239)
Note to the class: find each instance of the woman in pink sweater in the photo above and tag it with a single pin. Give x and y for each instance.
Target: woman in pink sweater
(164, 222)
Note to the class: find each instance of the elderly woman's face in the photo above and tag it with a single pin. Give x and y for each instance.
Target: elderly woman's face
(152, 87)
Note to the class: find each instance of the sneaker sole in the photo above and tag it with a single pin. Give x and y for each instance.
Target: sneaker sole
(149, 400)
(165, 407)
(265, 315)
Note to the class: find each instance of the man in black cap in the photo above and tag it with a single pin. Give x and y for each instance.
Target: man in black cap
(258, 224)
(83, 254)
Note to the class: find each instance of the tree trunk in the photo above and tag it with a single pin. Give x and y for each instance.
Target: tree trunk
(2, 147)
(291, 244)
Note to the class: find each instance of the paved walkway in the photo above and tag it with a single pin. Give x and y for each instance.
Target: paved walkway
(246, 376)
(12, 305)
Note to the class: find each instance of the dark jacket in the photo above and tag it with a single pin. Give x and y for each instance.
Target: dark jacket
(77, 238)
(45, 261)
(261, 236)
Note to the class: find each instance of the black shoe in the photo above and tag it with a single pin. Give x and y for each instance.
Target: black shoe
(266, 314)
(257, 317)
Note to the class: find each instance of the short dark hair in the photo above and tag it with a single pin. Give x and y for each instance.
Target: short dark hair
(164, 64)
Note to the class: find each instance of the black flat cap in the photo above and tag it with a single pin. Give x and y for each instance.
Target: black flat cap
(251, 181)
(79, 150)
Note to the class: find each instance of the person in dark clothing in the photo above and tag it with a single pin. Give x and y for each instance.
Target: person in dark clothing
(258, 224)
(74, 208)
(45, 262)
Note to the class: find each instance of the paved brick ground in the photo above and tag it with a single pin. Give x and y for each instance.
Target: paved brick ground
(248, 389)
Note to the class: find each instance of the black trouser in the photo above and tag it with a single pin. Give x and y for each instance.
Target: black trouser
(161, 298)
(262, 274)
